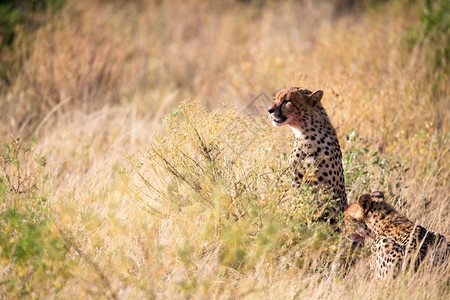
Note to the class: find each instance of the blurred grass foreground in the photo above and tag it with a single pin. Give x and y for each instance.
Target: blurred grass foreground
(134, 164)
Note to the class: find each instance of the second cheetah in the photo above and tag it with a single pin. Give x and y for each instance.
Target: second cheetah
(396, 239)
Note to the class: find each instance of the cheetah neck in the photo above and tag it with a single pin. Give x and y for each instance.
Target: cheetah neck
(298, 133)
(299, 127)
(382, 222)
(302, 125)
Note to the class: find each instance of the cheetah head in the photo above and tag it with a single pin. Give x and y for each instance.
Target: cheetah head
(289, 105)
(356, 214)
(354, 226)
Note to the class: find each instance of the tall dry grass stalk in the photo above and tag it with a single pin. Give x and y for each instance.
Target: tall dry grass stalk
(176, 215)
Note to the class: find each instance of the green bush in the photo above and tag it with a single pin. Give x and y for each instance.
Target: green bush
(14, 13)
(230, 172)
(32, 252)
(434, 32)
(436, 24)
(366, 170)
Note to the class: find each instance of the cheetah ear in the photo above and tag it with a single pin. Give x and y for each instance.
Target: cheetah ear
(377, 196)
(315, 97)
(364, 201)
(274, 94)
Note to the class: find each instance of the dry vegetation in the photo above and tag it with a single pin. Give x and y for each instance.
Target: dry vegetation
(128, 191)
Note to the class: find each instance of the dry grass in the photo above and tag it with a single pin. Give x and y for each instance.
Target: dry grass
(195, 212)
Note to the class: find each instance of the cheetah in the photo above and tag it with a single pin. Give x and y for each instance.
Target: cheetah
(316, 145)
(397, 241)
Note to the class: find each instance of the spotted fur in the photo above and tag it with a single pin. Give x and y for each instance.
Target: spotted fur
(316, 147)
(397, 240)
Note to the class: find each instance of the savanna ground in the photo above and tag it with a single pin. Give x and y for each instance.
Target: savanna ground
(113, 185)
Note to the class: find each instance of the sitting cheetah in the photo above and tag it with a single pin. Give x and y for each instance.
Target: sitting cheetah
(397, 240)
(316, 145)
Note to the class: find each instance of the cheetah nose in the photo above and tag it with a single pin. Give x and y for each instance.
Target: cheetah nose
(270, 110)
